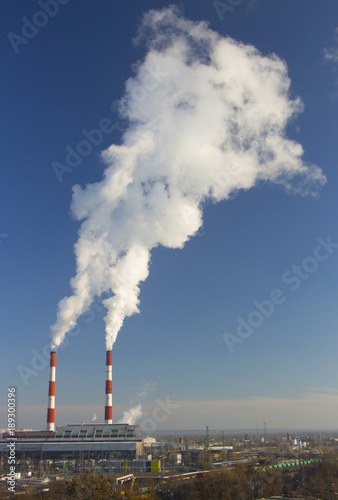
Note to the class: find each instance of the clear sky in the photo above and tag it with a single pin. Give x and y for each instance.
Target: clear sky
(202, 351)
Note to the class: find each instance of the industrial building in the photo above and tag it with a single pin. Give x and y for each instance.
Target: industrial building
(106, 441)
(93, 441)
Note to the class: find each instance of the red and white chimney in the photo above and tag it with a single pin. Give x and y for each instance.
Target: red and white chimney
(51, 394)
(108, 409)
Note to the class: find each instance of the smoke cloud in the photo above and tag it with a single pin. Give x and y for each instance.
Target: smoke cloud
(131, 416)
(135, 413)
(207, 118)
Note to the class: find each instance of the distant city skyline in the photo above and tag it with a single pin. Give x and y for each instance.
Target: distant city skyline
(241, 322)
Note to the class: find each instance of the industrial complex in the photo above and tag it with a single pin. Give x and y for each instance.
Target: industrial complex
(144, 466)
(95, 441)
(105, 441)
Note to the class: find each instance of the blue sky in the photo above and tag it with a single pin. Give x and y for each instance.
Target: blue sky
(66, 79)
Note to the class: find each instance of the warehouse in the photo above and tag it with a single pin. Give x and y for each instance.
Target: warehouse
(94, 441)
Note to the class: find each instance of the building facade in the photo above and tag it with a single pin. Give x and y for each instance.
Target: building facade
(94, 441)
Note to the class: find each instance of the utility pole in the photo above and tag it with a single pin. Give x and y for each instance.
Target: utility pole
(224, 453)
(207, 447)
(207, 438)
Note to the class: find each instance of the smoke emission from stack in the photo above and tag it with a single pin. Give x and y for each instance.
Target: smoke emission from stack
(135, 413)
(207, 118)
(51, 395)
(131, 416)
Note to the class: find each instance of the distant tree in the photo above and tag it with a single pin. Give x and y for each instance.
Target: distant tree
(58, 489)
(90, 487)
(150, 493)
(219, 486)
(264, 483)
(323, 480)
(201, 461)
(238, 484)
(187, 459)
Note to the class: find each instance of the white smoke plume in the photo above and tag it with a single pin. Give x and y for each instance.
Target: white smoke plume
(207, 118)
(134, 414)
(131, 416)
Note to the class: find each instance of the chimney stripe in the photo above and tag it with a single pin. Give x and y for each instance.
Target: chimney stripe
(52, 359)
(50, 416)
(108, 414)
(51, 388)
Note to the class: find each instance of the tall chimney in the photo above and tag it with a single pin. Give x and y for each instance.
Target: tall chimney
(51, 395)
(108, 410)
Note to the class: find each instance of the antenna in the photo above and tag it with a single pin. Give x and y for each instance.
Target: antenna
(207, 438)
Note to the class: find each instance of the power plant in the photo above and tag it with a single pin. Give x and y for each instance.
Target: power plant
(97, 441)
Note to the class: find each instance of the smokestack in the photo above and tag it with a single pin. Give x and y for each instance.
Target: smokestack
(51, 394)
(108, 410)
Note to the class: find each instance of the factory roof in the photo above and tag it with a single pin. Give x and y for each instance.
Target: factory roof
(81, 432)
